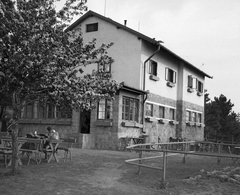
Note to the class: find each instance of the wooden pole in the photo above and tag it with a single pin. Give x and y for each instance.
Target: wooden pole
(140, 162)
(164, 167)
(219, 151)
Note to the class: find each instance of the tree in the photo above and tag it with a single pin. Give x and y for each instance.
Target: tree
(212, 116)
(41, 62)
(221, 122)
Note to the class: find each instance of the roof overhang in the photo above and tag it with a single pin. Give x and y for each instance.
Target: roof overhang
(138, 34)
(134, 90)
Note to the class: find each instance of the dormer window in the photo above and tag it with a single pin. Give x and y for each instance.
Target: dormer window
(92, 27)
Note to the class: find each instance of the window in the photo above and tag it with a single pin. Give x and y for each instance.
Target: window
(149, 109)
(63, 112)
(41, 111)
(28, 111)
(153, 68)
(199, 118)
(105, 109)
(172, 114)
(188, 115)
(161, 111)
(92, 27)
(130, 109)
(190, 81)
(104, 67)
(51, 111)
(170, 75)
(194, 116)
(199, 86)
(46, 112)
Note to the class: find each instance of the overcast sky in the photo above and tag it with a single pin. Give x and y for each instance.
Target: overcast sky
(206, 33)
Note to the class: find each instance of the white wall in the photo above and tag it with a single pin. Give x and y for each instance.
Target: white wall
(192, 97)
(125, 51)
(164, 60)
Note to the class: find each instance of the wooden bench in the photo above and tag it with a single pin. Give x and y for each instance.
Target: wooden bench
(33, 149)
(6, 149)
(65, 146)
(6, 152)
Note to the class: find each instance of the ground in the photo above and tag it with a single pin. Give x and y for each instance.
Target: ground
(104, 172)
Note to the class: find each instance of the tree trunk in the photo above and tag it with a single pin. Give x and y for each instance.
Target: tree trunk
(15, 157)
(14, 128)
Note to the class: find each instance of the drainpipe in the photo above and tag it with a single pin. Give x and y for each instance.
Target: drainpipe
(144, 78)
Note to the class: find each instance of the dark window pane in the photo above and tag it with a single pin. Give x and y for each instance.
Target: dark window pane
(92, 27)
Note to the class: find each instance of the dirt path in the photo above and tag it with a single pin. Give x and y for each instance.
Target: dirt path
(105, 173)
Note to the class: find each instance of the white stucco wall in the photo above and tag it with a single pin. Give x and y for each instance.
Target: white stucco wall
(192, 97)
(125, 51)
(164, 61)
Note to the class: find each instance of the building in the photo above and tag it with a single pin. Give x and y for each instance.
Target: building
(162, 96)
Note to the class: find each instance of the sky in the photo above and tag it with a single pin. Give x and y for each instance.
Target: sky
(205, 33)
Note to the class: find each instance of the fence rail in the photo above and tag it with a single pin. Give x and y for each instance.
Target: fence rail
(185, 148)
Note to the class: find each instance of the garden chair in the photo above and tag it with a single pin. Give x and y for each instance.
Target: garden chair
(66, 146)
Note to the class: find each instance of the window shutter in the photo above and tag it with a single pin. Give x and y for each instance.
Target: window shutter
(149, 67)
(201, 87)
(156, 69)
(196, 84)
(166, 74)
(174, 77)
(190, 81)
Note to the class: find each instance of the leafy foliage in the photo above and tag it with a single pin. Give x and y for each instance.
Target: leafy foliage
(221, 122)
(39, 61)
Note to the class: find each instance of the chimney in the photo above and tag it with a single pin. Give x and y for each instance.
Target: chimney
(125, 22)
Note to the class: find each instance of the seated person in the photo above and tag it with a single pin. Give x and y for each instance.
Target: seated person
(51, 134)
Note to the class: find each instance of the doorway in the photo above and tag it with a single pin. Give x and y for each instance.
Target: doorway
(85, 116)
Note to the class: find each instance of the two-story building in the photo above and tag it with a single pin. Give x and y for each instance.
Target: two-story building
(162, 96)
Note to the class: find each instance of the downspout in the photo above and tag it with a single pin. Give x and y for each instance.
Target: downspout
(144, 81)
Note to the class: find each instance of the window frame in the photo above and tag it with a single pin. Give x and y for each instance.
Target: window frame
(188, 116)
(172, 115)
(149, 112)
(190, 81)
(170, 75)
(199, 119)
(194, 117)
(161, 111)
(92, 27)
(130, 111)
(199, 86)
(108, 111)
(26, 113)
(153, 65)
(104, 67)
(44, 113)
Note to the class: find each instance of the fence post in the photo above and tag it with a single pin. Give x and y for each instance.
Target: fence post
(185, 155)
(140, 162)
(164, 167)
(219, 151)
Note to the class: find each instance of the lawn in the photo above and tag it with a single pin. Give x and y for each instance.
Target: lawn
(104, 172)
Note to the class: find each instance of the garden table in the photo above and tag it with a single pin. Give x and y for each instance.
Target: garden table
(53, 143)
(6, 149)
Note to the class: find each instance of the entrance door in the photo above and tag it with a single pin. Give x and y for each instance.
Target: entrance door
(85, 121)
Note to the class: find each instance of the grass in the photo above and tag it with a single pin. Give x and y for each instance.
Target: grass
(105, 172)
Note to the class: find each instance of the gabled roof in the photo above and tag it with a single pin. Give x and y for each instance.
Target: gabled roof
(138, 34)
